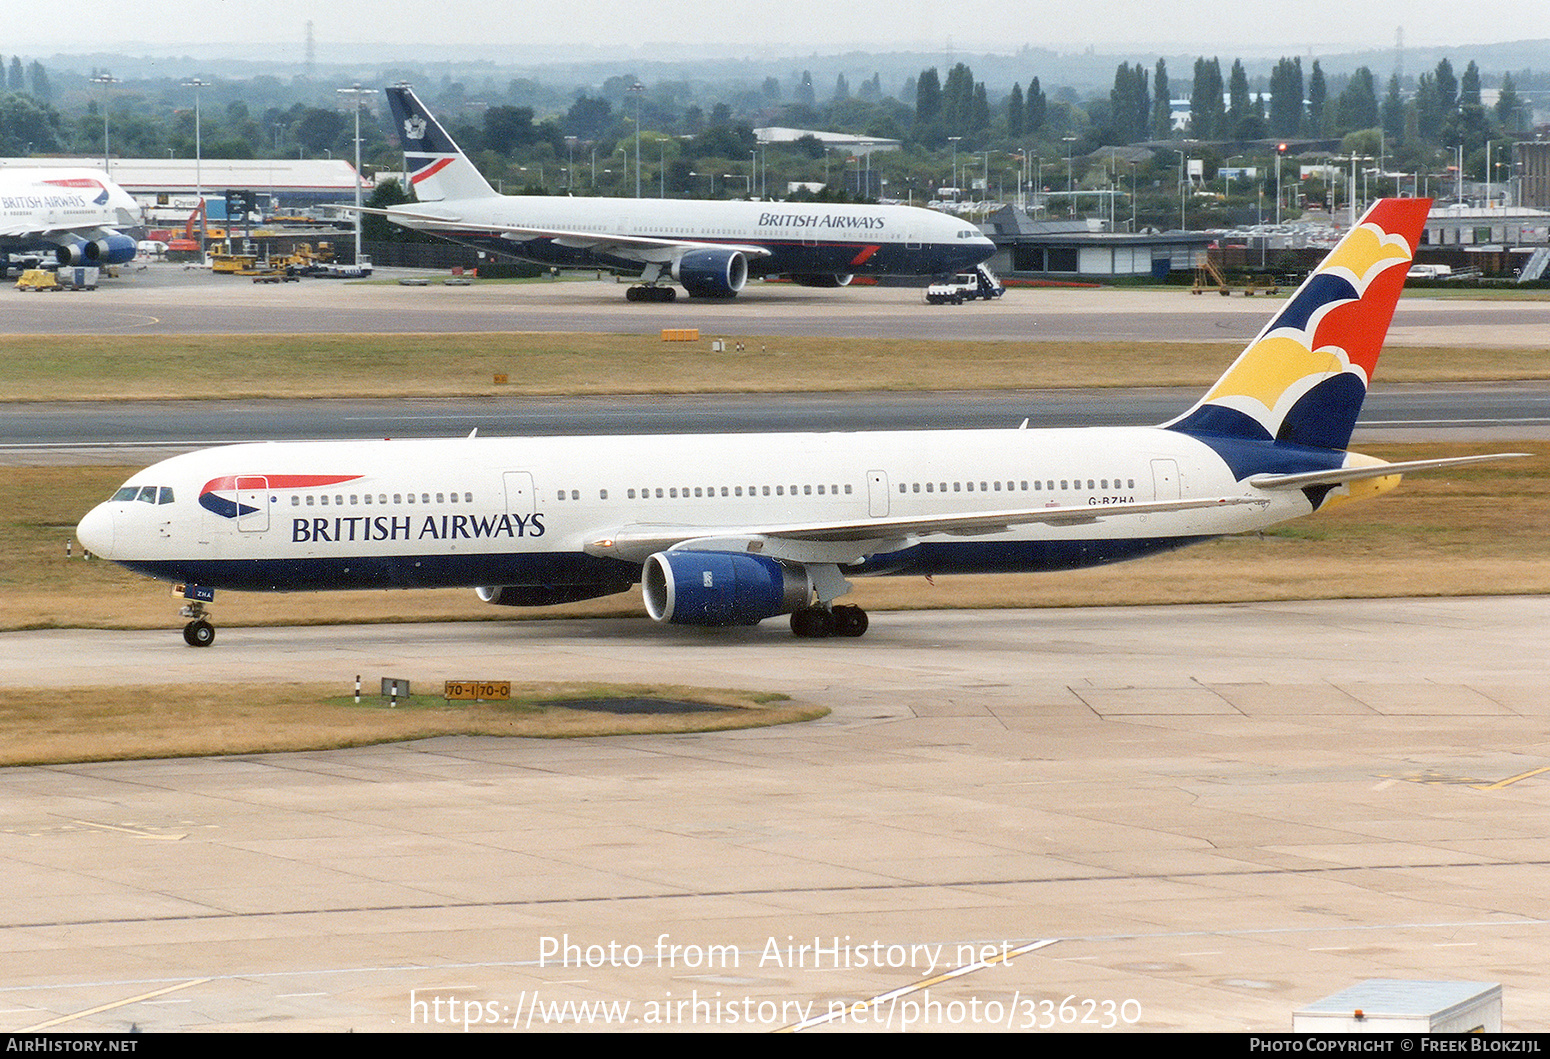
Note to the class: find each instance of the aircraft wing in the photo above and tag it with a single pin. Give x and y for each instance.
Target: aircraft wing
(21, 231)
(850, 541)
(598, 241)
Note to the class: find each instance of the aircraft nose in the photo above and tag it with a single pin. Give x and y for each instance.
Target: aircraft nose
(96, 531)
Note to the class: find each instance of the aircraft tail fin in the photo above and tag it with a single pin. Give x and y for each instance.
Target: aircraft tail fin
(438, 169)
(1303, 379)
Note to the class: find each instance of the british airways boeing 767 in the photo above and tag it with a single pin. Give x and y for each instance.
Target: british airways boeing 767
(733, 529)
(711, 247)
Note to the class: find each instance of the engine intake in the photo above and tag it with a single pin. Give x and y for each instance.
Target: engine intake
(712, 273)
(721, 588)
(822, 279)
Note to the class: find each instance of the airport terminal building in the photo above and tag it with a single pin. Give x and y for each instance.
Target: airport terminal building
(1079, 251)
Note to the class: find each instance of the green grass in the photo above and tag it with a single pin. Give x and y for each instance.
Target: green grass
(117, 368)
(55, 725)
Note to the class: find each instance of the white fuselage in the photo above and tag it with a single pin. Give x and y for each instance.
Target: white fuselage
(502, 511)
(45, 199)
(797, 238)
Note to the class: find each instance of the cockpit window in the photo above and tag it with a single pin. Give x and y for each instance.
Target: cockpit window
(146, 494)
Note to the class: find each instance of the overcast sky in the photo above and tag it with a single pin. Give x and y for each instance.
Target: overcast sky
(778, 27)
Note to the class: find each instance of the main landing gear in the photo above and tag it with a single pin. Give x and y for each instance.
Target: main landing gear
(817, 622)
(648, 289)
(650, 293)
(198, 632)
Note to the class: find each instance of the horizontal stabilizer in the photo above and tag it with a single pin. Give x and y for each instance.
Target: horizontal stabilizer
(1341, 475)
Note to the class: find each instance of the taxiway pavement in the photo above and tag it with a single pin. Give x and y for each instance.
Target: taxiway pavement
(164, 299)
(1170, 817)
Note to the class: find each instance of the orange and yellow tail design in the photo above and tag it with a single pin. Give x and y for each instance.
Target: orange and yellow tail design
(1303, 379)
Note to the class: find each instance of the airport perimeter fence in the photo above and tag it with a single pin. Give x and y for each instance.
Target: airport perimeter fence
(444, 256)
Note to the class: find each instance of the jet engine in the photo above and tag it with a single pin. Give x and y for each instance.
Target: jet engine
(546, 595)
(822, 279)
(721, 588)
(712, 273)
(112, 249)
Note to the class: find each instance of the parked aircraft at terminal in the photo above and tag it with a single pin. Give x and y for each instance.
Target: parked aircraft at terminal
(712, 248)
(731, 529)
(76, 214)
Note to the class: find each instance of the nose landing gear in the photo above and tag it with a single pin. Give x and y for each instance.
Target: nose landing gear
(198, 632)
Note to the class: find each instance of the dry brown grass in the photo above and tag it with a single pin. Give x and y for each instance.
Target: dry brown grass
(110, 368)
(47, 726)
(1468, 531)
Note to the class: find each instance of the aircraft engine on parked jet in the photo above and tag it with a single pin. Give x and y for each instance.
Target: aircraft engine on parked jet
(109, 250)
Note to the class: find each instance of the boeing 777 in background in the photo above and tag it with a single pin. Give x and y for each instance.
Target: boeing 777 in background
(74, 213)
(712, 248)
(732, 529)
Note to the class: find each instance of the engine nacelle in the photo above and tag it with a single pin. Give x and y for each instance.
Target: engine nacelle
(721, 588)
(109, 250)
(546, 595)
(115, 250)
(712, 273)
(823, 280)
(71, 254)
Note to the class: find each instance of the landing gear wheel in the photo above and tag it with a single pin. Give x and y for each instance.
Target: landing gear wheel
(812, 623)
(199, 633)
(849, 621)
(644, 293)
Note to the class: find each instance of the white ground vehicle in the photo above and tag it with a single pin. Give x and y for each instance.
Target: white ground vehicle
(966, 286)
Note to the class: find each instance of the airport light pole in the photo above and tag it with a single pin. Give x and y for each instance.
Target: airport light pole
(199, 184)
(105, 79)
(637, 90)
(356, 91)
(1070, 174)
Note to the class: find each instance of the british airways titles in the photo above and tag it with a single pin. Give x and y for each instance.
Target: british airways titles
(394, 528)
(820, 220)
